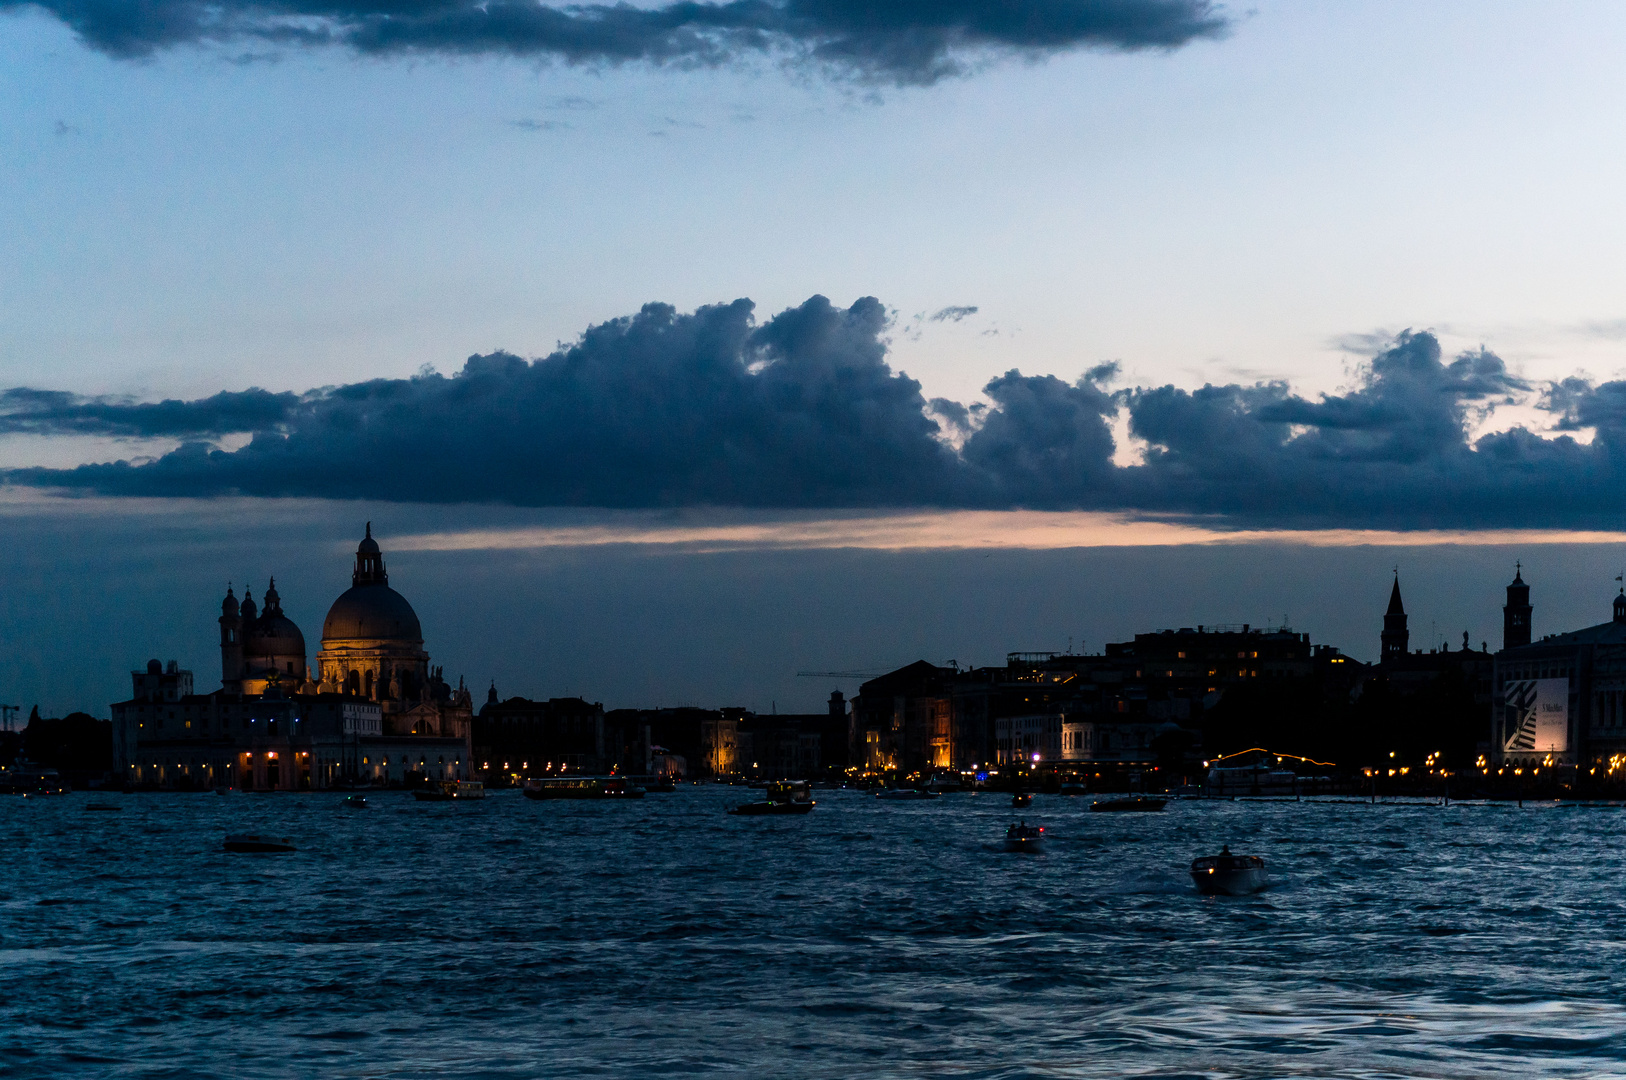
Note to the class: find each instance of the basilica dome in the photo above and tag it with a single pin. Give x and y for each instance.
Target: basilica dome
(371, 611)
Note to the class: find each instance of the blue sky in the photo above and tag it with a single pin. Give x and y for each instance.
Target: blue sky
(1273, 205)
(184, 224)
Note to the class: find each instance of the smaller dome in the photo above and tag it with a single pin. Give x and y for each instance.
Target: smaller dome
(368, 545)
(273, 635)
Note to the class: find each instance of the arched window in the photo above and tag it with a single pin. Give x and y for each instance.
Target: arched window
(369, 684)
(352, 682)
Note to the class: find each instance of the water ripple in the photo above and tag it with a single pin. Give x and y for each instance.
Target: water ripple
(514, 939)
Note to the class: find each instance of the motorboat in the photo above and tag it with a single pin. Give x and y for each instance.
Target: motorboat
(1024, 837)
(450, 791)
(26, 779)
(1138, 803)
(1021, 799)
(1229, 875)
(582, 787)
(356, 802)
(1073, 787)
(250, 843)
(1258, 778)
(784, 797)
(906, 795)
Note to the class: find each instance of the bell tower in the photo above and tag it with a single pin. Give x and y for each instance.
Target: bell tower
(1395, 635)
(1516, 612)
(231, 639)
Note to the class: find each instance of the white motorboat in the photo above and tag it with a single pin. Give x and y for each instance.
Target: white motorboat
(1024, 837)
(1229, 875)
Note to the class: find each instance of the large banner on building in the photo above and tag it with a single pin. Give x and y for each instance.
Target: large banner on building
(1538, 715)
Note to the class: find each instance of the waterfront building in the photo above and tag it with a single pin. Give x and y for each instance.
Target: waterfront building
(373, 711)
(905, 720)
(1428, 704)
(1104, 740)
(1028, 740)
(518, 737)
(1561, 700)
(1189, 683)
(781, 746)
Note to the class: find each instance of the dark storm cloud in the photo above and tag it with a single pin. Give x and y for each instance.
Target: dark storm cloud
(1045, 442)
(53, 411)
(1394, 451)
(713, 408)
(901, 41)
(655, 409)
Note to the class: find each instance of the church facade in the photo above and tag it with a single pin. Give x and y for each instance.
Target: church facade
(371, 711)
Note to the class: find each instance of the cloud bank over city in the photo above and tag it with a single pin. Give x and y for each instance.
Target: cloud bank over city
(803, 411)
(894, 42)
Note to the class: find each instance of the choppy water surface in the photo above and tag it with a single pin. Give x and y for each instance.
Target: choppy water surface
(509, 938)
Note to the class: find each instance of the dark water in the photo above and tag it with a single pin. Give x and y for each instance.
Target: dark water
(510, 938)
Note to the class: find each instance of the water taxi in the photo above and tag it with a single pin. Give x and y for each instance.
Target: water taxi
(449, 791)
(1138, 803)
(25, 779)
(1229, 875)
(582, 787)
(1021, 799)
(1024, 837)
(784, 797)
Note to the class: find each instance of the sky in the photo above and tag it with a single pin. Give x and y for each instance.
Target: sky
(802, 335)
